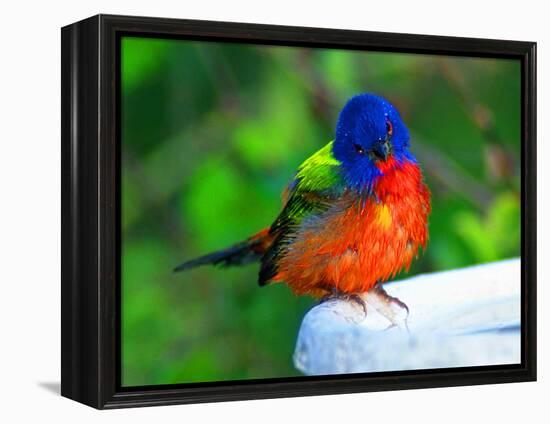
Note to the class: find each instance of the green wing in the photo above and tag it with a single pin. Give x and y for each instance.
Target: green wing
(319, 172)
(316, 184)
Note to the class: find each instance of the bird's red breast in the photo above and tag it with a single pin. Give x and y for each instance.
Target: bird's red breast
(357, 243)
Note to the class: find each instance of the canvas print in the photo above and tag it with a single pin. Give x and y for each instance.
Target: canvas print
(295, 211)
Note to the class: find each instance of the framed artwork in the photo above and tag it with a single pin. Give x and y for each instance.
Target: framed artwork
(255, 211)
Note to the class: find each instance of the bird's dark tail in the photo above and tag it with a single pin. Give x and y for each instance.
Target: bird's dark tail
(247, 251)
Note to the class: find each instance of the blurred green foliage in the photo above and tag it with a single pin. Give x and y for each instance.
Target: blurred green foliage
(211, 135)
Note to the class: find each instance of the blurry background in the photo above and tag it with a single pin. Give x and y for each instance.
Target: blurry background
(211, 135)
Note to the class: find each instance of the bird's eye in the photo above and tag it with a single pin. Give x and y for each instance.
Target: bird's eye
(359, 149)
(389, 127)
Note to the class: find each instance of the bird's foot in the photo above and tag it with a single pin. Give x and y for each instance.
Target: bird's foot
(393, 309)
(354, 300)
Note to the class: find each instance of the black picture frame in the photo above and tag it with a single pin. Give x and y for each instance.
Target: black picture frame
(90, 182)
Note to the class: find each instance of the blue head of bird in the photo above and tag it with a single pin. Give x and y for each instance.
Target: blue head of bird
(369, 131)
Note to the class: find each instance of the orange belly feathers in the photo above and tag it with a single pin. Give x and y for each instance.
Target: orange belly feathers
(356, 244)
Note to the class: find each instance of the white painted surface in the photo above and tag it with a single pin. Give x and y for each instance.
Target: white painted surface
(459, 318)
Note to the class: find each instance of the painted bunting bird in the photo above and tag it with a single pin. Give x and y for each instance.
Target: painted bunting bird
(354, 215)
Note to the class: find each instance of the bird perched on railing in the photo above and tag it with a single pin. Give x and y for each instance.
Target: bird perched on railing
(355, 214)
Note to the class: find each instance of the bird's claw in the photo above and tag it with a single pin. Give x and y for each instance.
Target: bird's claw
(393, 309)
(351, 298)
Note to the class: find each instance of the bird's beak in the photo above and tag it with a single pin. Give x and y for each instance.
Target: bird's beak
(382, 149)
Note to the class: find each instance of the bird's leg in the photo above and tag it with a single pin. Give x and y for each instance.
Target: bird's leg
(396, 311)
